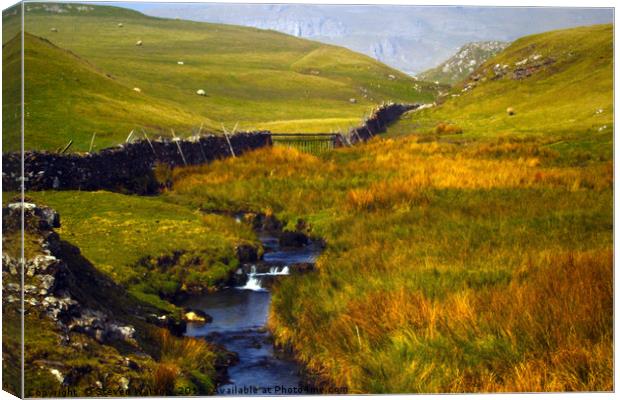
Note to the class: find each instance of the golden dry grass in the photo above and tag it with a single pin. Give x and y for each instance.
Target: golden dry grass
(451, 266)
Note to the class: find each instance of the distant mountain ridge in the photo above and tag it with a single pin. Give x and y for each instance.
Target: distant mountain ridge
(466, 60)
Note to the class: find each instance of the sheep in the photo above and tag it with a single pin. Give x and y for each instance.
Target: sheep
(120, 25)
(139, 43)
(180, 62)
(352, 100)
(510, 111)
(200, 92)
(54, 30)
(137, 89)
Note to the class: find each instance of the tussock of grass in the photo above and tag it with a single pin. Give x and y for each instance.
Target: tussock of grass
(182, 361)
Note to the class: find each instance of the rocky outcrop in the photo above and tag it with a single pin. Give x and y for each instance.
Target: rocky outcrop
(466, 60)
(126, 168)
(47, 280)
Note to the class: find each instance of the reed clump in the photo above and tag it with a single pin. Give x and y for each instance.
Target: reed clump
(183, 363)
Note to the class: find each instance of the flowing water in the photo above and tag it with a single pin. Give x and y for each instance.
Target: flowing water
(239, 318)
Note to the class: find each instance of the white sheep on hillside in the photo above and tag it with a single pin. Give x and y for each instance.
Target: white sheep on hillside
(139, 43)
(201, 92)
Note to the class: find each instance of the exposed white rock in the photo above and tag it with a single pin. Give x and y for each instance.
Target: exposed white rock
(57, 375)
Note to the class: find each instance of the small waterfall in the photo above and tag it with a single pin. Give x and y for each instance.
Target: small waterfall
(275, 271)
(254, 280)
(253, 283)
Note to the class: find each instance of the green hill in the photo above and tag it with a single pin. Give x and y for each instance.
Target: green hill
(83, 79)
(559, 85)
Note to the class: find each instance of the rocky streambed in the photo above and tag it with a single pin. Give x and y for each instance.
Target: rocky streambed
(239, 315)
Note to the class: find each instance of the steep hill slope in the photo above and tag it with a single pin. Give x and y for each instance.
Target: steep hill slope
(66, 98)
(464, 62)
(261, 79)
(559, 86)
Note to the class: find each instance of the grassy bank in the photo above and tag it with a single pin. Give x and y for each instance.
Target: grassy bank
(446, 270)
(155, 249)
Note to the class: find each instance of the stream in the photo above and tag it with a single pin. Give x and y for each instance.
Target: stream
(239, 318)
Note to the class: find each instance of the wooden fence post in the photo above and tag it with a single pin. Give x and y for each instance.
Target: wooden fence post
(177, 140)
(149, 141)
(66, 147)
(232, 152)
(92, 142)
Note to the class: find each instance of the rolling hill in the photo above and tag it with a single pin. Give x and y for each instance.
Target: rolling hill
(558, 84)
(83, 63)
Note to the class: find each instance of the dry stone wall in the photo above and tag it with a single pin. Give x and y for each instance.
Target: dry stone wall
(131, 167)
(378, 121)
(126, 168)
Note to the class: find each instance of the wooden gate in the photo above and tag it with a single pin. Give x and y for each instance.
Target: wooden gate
(314, 143)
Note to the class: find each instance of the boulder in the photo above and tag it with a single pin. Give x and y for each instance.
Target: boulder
(197, 316)
(48, 218)
(293, 239)
(246, 253)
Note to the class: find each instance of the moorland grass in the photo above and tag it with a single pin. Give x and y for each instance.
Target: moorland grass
(428, 247)
(455, 263)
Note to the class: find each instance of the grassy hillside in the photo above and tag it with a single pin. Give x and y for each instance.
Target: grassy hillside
(62, 91)
(255, 77)
(566, 102)
(477, 262)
